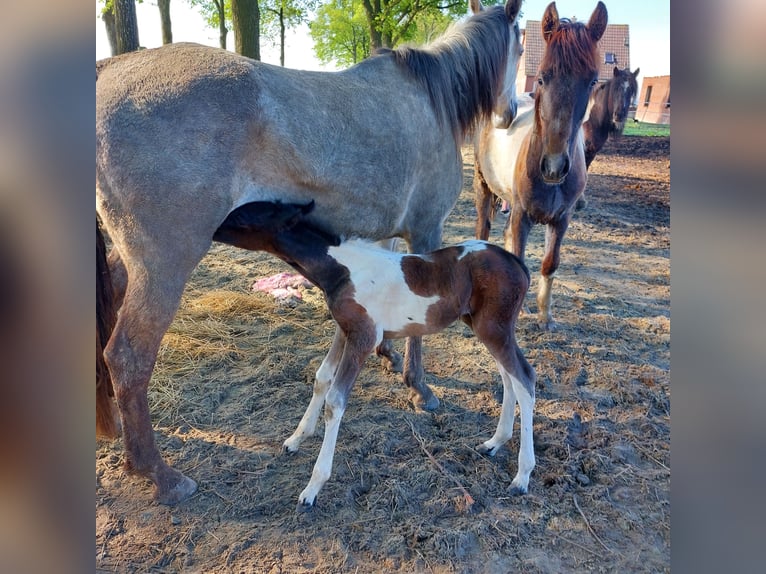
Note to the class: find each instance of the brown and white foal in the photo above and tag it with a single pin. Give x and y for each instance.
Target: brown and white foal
(374, 293)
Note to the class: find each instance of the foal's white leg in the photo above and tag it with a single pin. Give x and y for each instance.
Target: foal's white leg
(324, 378)
(334, 409)
(507, 415)
(526, 446)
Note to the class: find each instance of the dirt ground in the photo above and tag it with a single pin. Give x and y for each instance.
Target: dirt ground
(409, 492)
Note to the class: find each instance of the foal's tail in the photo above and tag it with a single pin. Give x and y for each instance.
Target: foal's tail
(106, 314)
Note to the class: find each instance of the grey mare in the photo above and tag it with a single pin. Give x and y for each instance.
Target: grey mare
(186, 133)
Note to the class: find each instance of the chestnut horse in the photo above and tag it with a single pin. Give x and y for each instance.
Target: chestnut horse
(187, 133)
(374, 293)
(538, 164)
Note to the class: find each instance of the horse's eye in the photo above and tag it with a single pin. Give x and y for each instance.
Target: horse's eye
(593, 83)
(540, 81)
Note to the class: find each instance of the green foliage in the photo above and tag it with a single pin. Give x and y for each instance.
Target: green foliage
(340, 33)
(645, 129)
(210, 12)
(346, 31)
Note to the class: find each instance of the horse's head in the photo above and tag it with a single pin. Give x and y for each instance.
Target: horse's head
(506, 105)
(622, 89)
(568, 72)
(255, 225)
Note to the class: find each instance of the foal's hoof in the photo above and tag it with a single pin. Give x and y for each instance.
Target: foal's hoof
(517, 490)
(304, 507)
(548, 325)
(181, 491)
(581, 203)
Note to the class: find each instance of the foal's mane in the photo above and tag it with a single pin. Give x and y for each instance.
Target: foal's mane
(570, 50)
(463, 70)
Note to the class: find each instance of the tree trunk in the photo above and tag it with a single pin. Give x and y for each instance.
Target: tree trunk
(126, 25)
(111, 30)
(167, 30)
(282, 36)
(222, 30)
(373, 9)
(246, 20)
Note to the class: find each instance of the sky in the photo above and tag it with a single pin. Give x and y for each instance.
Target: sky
(649, 22)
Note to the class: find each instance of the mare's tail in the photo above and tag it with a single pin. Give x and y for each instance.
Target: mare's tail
(106, 414)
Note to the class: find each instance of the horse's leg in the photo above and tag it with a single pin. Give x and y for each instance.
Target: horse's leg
(355, 352)
(554, 235)
(486, 204)
(119, 276)
(516, 231)
(518, 386)
(389, 358)
(324, 377)
(153, 293)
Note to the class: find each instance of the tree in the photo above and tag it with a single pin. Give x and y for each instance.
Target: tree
(217, 14)
(126, 25)
(167, 28)
(278, 15)
(340, 24)
(341, 33)
(246, 17)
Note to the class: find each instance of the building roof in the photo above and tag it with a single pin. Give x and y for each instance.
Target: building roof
(615, 41)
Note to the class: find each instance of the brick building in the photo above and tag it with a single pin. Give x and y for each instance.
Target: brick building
(653, 104)
(614, 50)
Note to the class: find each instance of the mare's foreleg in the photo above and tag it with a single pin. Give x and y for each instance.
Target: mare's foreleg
(554, 235)
(324, 378)
(486, 204)
(357, 348)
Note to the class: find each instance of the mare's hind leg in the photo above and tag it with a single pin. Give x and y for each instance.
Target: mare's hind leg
(389, 358)
(486, 204)
(152, 296)
(324, 377)
(554, 235)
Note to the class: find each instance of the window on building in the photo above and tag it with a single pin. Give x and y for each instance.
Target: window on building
(648, 97)
(610, 58)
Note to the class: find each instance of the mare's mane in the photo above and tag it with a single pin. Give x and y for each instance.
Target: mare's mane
(454, 68)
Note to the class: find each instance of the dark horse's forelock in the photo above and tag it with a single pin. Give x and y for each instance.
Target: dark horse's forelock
(464, 70)
(570, 50)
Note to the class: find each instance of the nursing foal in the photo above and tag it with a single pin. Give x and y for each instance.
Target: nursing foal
(374, 293)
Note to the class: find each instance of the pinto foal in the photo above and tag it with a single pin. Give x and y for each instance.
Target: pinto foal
(374, 293)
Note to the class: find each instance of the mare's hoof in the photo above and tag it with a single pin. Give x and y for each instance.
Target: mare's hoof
(392, 363)
(181, 491)
(427, 403)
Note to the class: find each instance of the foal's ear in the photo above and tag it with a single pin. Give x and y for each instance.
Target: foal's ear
(476, 6)
(635, 74)
(292, 213)
(512, 9)
(550, 21)
(598, 21)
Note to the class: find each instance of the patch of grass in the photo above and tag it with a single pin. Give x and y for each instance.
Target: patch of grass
(646, 129)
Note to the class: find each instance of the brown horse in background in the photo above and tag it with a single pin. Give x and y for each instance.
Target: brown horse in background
(185, 134)
(606, 115)
(538, 164)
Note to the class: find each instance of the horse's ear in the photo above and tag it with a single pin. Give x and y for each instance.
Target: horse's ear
(598, 21)
(635, 74)
(550, 21)
(616, 71)
(512, 9)
(476, 6)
